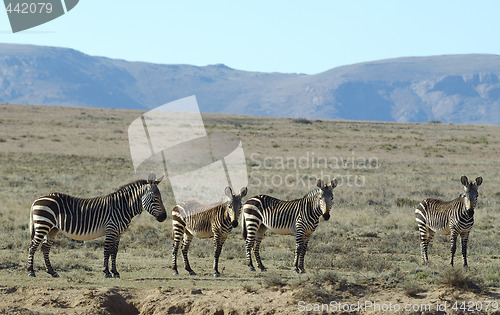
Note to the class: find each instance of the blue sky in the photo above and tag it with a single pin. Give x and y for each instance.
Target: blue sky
(269, 36)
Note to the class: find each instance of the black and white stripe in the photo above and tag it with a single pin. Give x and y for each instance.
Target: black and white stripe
(453, 218)
(86, 219)
(190, 219)
(297, 217)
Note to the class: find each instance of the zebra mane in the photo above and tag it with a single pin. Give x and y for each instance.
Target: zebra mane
(131, 185)
(200, 207)
(313, 192)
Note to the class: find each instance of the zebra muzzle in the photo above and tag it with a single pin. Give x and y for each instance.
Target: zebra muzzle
(162, 216)
(326, 216)
(234, 223)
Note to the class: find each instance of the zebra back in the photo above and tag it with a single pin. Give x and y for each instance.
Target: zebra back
(86, 217)
(200, 217)
(279, 214)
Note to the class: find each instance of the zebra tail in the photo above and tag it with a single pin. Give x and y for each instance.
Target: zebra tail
(244, 230)
(32, 226)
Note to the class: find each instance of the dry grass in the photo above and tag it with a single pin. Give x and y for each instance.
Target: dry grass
(385, 169)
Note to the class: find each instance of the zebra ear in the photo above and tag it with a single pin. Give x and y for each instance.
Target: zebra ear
(320, 183)
(151, 177)
(464, 180)
(334, 183)
(229, 192)
(243, 192)
(158, 180)
(479, 181)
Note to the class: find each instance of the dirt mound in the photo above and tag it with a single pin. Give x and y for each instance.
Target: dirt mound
(329, 297)
(105, 301)
(29, 300)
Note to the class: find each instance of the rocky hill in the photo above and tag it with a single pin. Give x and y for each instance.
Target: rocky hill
(450, 88)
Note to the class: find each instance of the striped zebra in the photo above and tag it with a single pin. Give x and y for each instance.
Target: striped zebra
(298, 217)
(454, 218)
(191, 219)
(86, 219)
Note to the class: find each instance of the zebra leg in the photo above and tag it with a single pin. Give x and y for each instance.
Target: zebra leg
(218, 242)
(35, 242)
(258, 239)
(248, 246)
(465, 237)
(299, 251)
(46, 249)
(109, 243)
(175, 250)
(454, 236)
(114, 252)
(303, 253)
(178, 227)
(188, 237)
(424, 243)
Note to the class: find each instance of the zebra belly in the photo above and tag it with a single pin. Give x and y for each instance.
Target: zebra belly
(201, 234)
(283, 231)
(441, 230)
(85, 236)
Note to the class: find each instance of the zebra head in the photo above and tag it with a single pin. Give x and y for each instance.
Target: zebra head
(470, 188)
(326, 197)
(233, 206)
(151, 199)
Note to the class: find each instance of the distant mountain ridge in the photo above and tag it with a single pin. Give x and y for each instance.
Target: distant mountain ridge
(449, 88)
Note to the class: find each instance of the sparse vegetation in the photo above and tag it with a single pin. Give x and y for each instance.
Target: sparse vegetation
(370, 244)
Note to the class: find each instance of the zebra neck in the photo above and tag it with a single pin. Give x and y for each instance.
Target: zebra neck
(128, 199)
(226, 218)
(223, 211)
(467, 208)
(316, 205)
(467, 203)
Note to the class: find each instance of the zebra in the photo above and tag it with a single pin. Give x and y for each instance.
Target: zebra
(86, 219)
(454, 218)
(298, 217)
(191, 219)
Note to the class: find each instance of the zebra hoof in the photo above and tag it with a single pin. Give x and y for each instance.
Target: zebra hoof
(176, 272)
(32, 274)
(192, 273)
(55, 275)
(117, 276)
(108, 275)
(216, 275)
(252, 269)
(296, 271)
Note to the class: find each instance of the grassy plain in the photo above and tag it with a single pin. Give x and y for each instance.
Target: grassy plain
(368, 250)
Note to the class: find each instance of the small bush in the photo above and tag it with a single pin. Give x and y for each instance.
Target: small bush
(248, 288)
(405, 202)
(273, 282)
(312, 292)
(412, 289)
(458, 279)
(303, 121)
